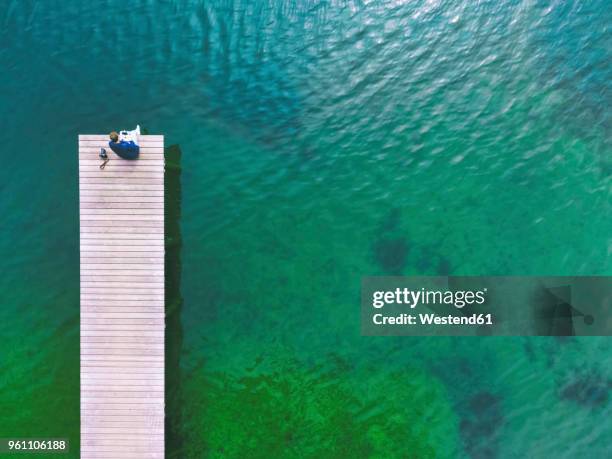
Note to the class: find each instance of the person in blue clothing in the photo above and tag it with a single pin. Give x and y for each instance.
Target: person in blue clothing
(125, 144)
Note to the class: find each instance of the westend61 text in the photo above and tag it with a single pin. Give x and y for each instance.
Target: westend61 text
(432, 319)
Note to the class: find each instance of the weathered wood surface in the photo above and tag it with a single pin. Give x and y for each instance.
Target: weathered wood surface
(122, 300)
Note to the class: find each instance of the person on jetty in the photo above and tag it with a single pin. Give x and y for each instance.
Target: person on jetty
(125, 143)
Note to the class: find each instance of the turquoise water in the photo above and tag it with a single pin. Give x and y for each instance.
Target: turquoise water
(321, 142)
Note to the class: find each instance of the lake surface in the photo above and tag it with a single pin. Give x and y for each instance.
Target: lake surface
(322, 141)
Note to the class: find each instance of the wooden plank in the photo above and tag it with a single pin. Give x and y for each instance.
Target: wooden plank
(123, 442)
(122, 298)
(121, 283)
(93, 257)
(121, 245)
(110, 254)
(109, 209)
(116, 327)
(122, 218)
(114, 316)
(119, 170)
(132, 172)
(103, 199)
(119, 378)
(120, 238)
(121, 235)
(126, 358)
(92, 160)
(106, 256)
(124, 376)
(118, 184)
(123, 351)
(119, 375)
(146, 311)
(92, 163)
(101, 251)
(119, 311)
(111, 241)
(87, 176)
(126, 386)
(93, 299)
(120, 187)
(152, 227)
(121, 302)
(111, 278)
(128, 340)
(140, 250)
(111, 346)
(121, 214)
(110, 204)
(120, 333)
(141, 382)
(121, 291)
(147, 157)
(100, 287)
(126, 268)
(106, 229)
(140, 367)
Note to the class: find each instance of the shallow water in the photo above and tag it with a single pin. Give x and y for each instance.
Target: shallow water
(321, 142)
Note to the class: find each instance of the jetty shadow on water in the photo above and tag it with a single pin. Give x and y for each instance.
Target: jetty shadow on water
(174, 299)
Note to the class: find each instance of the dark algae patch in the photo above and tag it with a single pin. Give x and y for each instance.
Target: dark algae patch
(588, 389)
(481, 424)
(395, 253)
(291, 410)
(391, 254)
(391, 246)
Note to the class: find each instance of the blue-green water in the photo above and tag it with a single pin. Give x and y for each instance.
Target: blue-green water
(321, 142)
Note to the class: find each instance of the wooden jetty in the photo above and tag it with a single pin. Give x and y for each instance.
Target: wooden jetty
(122, 300)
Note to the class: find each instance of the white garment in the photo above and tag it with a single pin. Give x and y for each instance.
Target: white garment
(130, 135)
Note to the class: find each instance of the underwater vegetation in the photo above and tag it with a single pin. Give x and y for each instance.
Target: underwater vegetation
(394, 253)
(429, 261)
(391, 247)
(287, 409)
(391, 254)
(588, 389)
(480, 427)
(34, 389)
